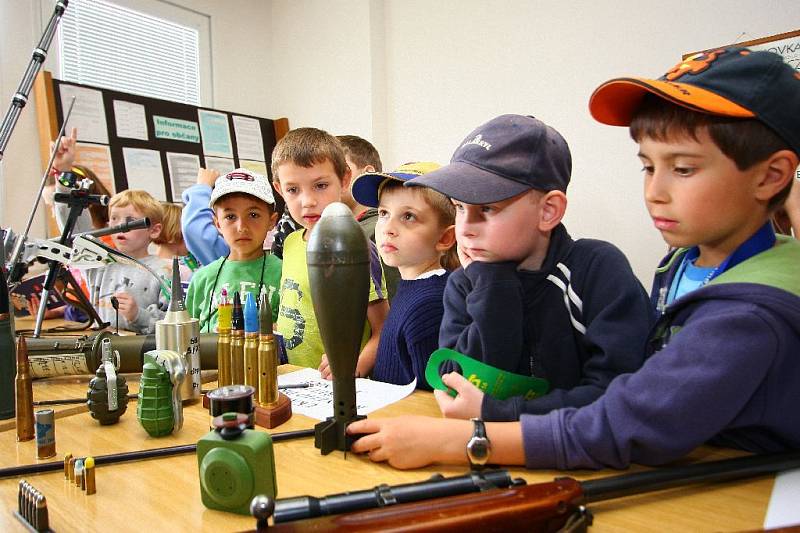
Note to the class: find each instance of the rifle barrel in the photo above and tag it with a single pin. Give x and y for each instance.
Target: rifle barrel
(607, 488)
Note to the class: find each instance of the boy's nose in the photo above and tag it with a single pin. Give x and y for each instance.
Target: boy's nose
(655, 190)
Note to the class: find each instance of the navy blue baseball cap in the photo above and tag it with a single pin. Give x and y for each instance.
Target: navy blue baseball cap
(366, 188)
(505, 157)
(732, 82)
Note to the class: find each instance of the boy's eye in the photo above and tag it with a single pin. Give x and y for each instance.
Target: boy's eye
(383, 213)
(647, 169)
(458, 206)
(683, 171)
(230, 216)
(291, 190)
(322, 185)
(487, 208)
(255, 214)
(409, 216)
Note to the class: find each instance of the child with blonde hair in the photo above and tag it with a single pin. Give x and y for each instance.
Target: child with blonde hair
(135, 291)
(171, 244)
(415, 234)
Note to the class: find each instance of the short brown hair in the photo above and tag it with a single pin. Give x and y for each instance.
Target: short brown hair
(745, 141)
(142, 201)
(306, 147)
(361, 152)
(445, 212)
(170, 224)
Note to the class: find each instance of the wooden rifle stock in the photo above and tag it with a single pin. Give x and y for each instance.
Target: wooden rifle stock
(551, 506)
(540, 507)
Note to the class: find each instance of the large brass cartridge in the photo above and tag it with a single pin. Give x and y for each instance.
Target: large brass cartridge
(23, 385)
(237, 342)
(224, 341)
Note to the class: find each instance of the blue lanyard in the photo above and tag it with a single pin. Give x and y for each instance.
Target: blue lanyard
(760, 241)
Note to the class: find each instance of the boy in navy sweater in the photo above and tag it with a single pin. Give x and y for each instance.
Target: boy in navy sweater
(415, 235)
(529, 299)
(720, 142)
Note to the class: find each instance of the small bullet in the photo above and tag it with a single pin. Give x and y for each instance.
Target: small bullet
(79, 472)
(41, 520)
(67, 459)
(88, 476)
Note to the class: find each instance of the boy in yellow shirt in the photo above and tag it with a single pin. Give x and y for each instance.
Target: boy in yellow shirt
(310, 172)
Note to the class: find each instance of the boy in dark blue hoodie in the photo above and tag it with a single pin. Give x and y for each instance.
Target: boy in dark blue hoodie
(720, 144)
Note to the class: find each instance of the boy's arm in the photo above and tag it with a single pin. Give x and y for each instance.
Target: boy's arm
(683, 396)
(617, 316)
(417, 441)
(483, 314)
(197, 225)
(376, 315)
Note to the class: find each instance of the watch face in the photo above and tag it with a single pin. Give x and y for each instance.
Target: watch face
(478, 448)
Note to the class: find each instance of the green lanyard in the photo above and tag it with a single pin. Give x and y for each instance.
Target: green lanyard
(499, 384)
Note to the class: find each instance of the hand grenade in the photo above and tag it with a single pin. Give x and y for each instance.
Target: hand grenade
(160, 411)
(107, 396)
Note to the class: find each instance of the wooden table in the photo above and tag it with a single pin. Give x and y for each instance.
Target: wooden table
(164, 494)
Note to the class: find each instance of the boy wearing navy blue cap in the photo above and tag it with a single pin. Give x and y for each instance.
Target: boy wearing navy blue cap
(529, 299)
(720, 142)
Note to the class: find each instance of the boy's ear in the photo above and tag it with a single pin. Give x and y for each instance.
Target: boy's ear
(276, 186)
(447, 239)
(273, 219)
(779, 171)
(552, 205)
(368, 168)
(348, 175)
(155, 230)
(216, 221)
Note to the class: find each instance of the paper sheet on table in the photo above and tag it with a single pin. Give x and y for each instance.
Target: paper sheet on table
(783, 510)
(316, 401)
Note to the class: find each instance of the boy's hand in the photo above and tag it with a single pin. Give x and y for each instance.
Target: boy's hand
(463, 257)
(324, 368)
(127, 305)
(207, 176)
(466, 405)
(405, 441)
(65, 156)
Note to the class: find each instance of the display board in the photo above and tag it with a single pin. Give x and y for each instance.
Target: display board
(138, 142)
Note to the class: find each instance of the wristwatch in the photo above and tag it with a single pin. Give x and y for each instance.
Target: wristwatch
(478, 446)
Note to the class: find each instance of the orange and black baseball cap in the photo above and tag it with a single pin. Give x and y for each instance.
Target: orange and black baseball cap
(731, 82)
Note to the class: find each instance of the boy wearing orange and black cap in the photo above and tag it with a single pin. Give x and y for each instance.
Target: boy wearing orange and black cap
(720, 142)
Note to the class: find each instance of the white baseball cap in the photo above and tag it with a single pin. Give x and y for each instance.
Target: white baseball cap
(243, 181)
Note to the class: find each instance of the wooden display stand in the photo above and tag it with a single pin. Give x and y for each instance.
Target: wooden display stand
(273, 416)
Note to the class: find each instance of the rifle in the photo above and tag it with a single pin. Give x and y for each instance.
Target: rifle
(558, 505)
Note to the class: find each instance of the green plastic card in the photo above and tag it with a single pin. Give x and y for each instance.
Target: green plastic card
(497, 383)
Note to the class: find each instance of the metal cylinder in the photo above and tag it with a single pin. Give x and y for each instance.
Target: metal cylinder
(224, 358)
(45, 433)
(237, 357)
(267, 371)
(232, 399)
(251, 360)
(70, 356)
(183, 337)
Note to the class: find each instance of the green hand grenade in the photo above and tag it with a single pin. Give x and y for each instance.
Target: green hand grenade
(162, 373)
(98, 397)
(107, 396)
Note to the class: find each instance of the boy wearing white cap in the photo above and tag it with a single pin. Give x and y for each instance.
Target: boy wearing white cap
(244, 211)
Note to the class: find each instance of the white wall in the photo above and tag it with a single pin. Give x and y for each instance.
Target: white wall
(450, 65)
(416, 76)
